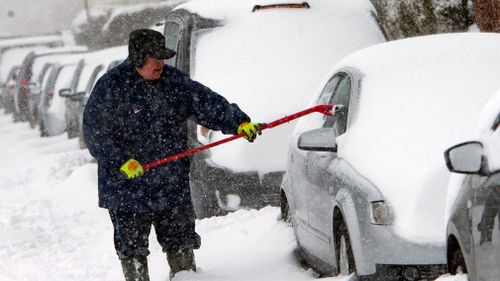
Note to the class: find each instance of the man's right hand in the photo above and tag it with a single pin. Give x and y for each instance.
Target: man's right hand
(132, 169)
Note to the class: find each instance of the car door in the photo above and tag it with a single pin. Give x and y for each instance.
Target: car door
(486, 228)
(321, 176)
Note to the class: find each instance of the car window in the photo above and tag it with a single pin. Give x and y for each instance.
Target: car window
(65, 76)
(46, 68)
(172, 31)
(114, 63)
(341, 96)
(93, 77)
(325, 96)
(46, 76)
(496, 123)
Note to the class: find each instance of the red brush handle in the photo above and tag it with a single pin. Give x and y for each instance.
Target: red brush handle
(324, 109)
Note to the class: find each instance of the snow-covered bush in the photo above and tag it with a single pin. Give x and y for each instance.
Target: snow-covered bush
(408, 18)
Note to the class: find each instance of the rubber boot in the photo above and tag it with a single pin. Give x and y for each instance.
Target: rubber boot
(135, 269)
(182, 259)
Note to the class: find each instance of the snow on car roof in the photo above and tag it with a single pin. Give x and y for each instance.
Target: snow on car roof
(271, 62)
(419, 96)
(30, 40)
(13, 57)
(108, 55)
(61, 50)
(54, 58)
(131, 9)
(102, 57)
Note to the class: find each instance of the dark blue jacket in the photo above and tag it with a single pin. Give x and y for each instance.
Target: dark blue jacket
(127, 117)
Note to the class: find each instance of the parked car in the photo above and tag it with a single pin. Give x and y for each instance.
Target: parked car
(41, 72)
(365, 189)
(473, 229)
(267, 60)
(22, 97)
(85, 76)
(8, 59)
(52, 107)
(85, 99)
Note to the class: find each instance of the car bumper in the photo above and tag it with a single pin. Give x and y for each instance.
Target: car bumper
(212, 188)
(393, 249)
(390, 272)
(391, 255)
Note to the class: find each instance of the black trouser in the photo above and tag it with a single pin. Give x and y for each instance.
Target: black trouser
(174, 230)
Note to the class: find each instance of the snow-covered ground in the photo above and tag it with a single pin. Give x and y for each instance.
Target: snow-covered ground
(51, 227)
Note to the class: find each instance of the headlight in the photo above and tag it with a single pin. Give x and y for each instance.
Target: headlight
(381, 213)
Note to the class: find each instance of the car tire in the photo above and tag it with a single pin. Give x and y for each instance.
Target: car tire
(43, 130)
(456, 264)
(286, 215)
(71, 132)
(32, 114)
(81, 141)
(15, 117)
(343, 250)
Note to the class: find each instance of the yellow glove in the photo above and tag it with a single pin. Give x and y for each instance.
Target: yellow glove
(132, 169)
(250, 130)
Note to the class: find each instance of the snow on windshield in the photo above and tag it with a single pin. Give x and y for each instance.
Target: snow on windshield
(271, 62)
(55, 114)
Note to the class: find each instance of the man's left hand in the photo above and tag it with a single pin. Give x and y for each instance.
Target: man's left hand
(250, 130)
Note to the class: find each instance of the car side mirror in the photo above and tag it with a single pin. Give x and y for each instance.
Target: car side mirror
(66, 93)
(77, 97)
(34, 88)
(466, 158)
(323, 139)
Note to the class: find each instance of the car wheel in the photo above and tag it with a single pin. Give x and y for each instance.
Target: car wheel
(343, 250)
(15, 117)
(70, 131)
(32, 114)
(81, 141)
(286, 215)
(456, 264)
(43, 130)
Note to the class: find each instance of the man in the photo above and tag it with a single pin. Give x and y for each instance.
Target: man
(138, 113)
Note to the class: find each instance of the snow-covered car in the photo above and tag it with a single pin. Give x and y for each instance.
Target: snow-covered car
(85, 99)
(52, 107)
(473, 228)
(39, 78)
(23, 95)
(365, 190)
(8, 59)
(267, 59)
(41, 68)
(85, 76)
